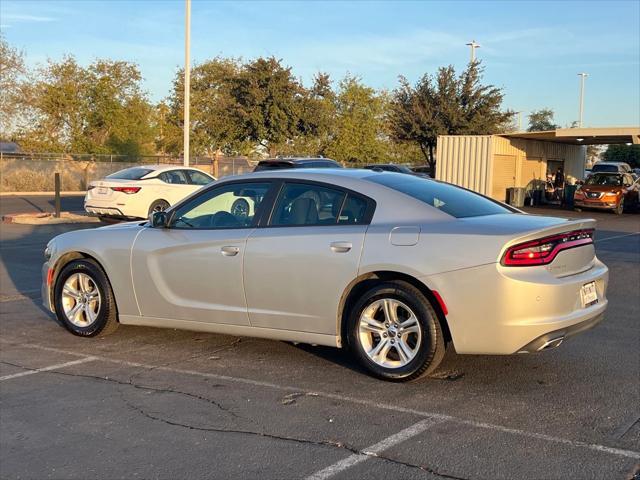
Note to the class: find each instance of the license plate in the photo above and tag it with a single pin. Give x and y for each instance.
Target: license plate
(589, 294)
(102, 190)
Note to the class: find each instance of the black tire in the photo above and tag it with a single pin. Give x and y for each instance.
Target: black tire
(106, 321)
(619, 208)
(432, 347)
(158, 206)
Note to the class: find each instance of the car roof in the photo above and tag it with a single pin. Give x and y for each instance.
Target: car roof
(161, 168)
(297, 159)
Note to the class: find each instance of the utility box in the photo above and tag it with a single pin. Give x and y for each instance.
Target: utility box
(515, 197)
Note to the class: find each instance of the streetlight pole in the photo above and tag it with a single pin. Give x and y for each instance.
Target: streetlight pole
(187, 80)
(519, 121)
(473, 46)
(582, 77)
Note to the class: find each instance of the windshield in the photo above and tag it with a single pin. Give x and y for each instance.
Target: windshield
(605, 168)
(455, 201)
(604, 179)
(134, 173)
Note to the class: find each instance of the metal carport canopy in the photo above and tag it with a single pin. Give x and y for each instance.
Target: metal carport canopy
(584, 136)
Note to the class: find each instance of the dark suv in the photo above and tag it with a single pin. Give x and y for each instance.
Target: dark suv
(280, 163)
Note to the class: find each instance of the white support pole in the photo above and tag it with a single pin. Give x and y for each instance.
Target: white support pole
(473, 46)
(187, 80)
(582, 77)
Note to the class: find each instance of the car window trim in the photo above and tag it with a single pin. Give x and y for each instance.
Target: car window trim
(256, 218)
(368, 216)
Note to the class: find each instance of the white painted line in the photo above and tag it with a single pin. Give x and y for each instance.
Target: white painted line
(374, 450)
(49, 368)
(616, 236)
(357, 401)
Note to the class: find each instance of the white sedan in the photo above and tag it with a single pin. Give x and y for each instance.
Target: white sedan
(136, 192)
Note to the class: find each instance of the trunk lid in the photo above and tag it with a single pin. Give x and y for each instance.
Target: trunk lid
(516, 229)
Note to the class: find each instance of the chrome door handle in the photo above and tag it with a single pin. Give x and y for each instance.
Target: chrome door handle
(229, 251)
(340, 247)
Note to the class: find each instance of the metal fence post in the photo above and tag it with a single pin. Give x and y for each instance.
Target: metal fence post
(57, 201)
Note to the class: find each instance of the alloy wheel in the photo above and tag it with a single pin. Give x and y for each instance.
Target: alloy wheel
(81, 299)
(389, 333)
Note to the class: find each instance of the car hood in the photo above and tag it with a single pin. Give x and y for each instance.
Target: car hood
(124, 225)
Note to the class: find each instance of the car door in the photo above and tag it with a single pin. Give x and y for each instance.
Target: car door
(192, 270)
(299, 263)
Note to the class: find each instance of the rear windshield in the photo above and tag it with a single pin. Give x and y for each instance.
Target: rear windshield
(134, 173)
(604, 179)
(605, 168)
(272, 165)
(455, 201)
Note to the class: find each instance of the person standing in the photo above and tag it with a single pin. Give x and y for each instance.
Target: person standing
(558, 184)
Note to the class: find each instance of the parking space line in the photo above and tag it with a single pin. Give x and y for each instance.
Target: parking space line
(49, 368)
(375, 449)
(364, 402)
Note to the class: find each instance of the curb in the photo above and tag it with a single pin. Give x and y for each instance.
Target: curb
(37, 194)
(45, 218)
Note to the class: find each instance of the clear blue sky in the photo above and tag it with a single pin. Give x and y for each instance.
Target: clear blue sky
(533, 50)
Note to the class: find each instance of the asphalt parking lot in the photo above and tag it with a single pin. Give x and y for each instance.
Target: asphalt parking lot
(151, 403)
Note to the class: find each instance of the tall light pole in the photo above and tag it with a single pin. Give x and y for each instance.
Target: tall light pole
(519, 121)
(473, 46)
(187, 80)
(582, 77)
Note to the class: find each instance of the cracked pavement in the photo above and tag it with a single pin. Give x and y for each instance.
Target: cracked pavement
(151, 403)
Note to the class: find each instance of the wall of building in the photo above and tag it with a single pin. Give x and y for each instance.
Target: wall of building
(489, 164)
(465, 160)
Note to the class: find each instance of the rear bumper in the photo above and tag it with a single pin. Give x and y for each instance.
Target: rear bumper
(493, 312)
(104, 209)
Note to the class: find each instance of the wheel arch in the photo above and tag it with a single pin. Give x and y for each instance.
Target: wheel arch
(366, 281)
(67, 258)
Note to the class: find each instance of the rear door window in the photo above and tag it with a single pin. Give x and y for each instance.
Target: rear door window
(174, 177)
(455, 201)
(307, 204)
(198, 178)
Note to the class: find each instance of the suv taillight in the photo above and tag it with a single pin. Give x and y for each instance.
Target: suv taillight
(545, 250)
(127, 190)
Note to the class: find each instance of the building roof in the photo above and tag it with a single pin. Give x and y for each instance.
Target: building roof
(583, 136)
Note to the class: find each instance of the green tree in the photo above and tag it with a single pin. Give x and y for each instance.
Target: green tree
(213, 127)
(446, 104)
(266, 104)
(623, 153)
(12, 86)
(541, 120)
(359, 124)
(98, 109)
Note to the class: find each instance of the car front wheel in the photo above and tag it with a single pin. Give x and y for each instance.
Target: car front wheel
(83, 300)
(394, 332)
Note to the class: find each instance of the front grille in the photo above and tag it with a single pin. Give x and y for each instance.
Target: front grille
(594, 194)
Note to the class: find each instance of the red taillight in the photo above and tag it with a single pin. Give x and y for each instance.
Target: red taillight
(127, 190)
(544, 250)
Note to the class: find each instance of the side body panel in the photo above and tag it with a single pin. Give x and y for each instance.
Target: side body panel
(189, 275)
(294, 279)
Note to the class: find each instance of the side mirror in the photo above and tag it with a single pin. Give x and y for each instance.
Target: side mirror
(159, 219)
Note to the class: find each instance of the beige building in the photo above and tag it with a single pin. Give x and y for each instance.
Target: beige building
(489, 164)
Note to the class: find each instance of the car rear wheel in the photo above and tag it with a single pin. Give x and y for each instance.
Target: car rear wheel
(394, 332)
(84, 301)
(158, 206)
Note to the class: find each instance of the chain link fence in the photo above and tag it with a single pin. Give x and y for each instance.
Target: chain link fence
(34, 172)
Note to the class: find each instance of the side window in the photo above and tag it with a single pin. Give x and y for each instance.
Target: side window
(174, 177)
(307, 204)
(353, 211)
(228, 206)
(198, 178)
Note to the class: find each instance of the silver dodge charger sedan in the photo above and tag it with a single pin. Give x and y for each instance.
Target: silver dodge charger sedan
(395, 267)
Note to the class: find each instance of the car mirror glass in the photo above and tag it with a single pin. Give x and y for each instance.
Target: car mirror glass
(159, 219)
